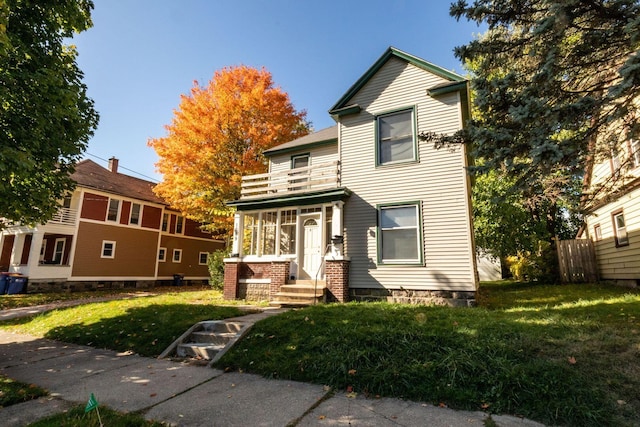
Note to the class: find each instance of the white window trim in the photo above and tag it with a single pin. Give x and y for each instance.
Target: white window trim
(55, 249)
(139, 214)
(117, 220)
(173, 256)
(113, 249)
(184, 220)
(200, 258)
(617, 230)
(164, 227)
(164, 258)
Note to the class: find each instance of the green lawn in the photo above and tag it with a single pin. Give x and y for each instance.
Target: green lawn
(561, 355)
(144, 325)
(567, 355)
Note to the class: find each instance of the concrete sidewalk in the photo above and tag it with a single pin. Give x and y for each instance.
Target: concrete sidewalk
(183, 395)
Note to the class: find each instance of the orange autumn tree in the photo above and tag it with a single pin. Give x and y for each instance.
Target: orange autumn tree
(217, 135)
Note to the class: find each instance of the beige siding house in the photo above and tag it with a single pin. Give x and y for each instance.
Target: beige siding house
(364, 209)
(613, 213)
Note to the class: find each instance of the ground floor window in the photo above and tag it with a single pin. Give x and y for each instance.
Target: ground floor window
(288, 222)
(276, 232)
(202, 258)
(108, 249)
(399, 234)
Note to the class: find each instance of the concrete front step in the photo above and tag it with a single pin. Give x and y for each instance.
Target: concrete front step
(207, 340)
(199, 350)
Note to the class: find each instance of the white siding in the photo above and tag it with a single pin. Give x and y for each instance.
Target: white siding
(438, 181)
(318, 155)
(615, 263)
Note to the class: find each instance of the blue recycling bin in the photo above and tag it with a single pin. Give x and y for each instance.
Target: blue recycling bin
(4, 282)
(178, 279)
(17, 284)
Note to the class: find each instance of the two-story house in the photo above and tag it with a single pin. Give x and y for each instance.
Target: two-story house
(612, 212)
(113, 231)
(364, 210)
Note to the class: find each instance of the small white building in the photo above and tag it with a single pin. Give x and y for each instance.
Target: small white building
(364, 210)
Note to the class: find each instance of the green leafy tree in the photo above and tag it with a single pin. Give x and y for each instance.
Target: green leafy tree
(549, 80)
(46, 118)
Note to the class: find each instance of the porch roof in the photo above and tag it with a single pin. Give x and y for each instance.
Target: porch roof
(300, 199)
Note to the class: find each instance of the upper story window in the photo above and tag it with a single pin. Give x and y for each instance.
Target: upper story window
(134, 218)
(165, 222)
(179, 224)
(620, 229)
(395, 137)
(114, 209)
(635, 152)
(300, 161)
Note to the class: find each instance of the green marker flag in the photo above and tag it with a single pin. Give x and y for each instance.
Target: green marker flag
(91, 404)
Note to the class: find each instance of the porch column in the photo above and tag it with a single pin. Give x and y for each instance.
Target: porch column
(337, 245)
(36, 245)
(231, 276)
(337, 277)
(238, 226)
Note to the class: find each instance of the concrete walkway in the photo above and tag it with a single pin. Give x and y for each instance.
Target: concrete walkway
(182, 395)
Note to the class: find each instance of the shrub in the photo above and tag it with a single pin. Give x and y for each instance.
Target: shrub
(215, 262)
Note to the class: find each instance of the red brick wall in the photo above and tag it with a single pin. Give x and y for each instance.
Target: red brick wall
(279, 276)
(230, 290)
(337, 277)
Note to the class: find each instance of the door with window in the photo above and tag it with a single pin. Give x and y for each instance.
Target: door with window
(311, 243)
(58, 251)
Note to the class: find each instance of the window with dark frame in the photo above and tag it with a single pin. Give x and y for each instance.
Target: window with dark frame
(396, 141)
(399, 234)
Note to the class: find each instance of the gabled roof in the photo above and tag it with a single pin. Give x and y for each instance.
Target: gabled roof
(90, 175)
(343, 106)
(325, 136)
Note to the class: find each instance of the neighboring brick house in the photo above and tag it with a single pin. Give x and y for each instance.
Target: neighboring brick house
(113, 231)
(364, 209)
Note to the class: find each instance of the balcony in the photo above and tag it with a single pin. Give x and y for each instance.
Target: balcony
(64, 216)
(293, 181)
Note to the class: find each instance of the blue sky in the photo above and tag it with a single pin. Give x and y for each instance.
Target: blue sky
(141, 55)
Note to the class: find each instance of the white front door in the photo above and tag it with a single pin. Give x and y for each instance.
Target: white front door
(311, 255)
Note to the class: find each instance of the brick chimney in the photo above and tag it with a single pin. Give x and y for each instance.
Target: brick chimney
(113, 165)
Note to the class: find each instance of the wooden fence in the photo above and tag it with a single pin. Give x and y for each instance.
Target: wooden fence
(577, 259)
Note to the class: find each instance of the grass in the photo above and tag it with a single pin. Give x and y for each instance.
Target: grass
(12, 392)
(76, 417)
(143, 325)
(567, 355)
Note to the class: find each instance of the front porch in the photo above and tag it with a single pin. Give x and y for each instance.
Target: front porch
(288, 236)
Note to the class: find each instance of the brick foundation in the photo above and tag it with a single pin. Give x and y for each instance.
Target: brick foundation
(337, 278)
(405, 296)
(231, 275)
(279, 276)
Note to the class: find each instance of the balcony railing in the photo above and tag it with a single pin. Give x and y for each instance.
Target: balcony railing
(64, 216)
(292, 181)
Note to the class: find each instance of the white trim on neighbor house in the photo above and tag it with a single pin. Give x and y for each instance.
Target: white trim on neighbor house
(108, 249)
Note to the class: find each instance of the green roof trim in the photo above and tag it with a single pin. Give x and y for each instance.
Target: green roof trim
(392, 51)
(345, 111)
(447, 88)
(304, 199)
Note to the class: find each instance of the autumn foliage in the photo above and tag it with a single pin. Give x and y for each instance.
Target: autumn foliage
(218, 134)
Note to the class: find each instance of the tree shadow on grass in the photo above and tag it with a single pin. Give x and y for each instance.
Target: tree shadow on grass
(146, 330)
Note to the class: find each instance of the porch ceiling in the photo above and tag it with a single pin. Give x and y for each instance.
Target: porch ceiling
(304, 199)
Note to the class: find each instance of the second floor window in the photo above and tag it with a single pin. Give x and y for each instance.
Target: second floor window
(396, 142)
(135, 214)
(114, 208)
(179, 224)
